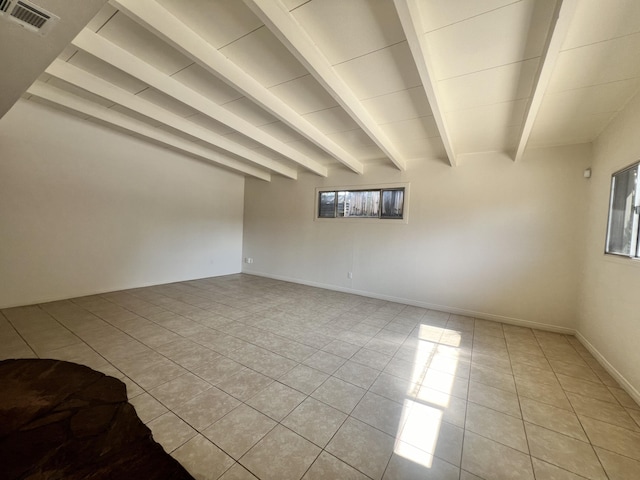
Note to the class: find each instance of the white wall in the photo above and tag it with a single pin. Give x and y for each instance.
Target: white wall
(84, 209)
(490, 238)
(610, 309)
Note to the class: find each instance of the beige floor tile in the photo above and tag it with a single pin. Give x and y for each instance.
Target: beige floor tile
(635, 414)
(488, 459)
(280, 443)
(238, 472)
(341, 349)
(444, 382)
(534, 374)
(339, 394)
(420, 467)
(325, 362)
(604, 411)
(304, 379)
(394, 388)
(362, 447)
(248, 427)
(611, 437)
(179, 390)
(170, 431)
(454, 409)
(498, 363)
(586, 388)
(315, 421)
(147, 407)
(582, 372)
(158, 375)
(544, 393)
(206, 408)
(219, 370)
(487, 376)
(464, 475)
(500, 400)
(497, 426)
(276, 400)
(565, 452)
(245, 384)
(624, 398)
(327, 466)
(617, 466)
(374, 359)
(357, 374)
(202, 459)
(379, 412)
(553, 418)
(546, 471)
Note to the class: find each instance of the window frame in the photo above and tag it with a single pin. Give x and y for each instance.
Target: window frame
(634, 249)
(363, 188)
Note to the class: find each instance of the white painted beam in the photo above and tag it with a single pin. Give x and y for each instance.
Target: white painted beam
(557, 32)
(284, 26)
(86, 107)
(97, 86)
(409, 14)
(158, 20)
(103, 49)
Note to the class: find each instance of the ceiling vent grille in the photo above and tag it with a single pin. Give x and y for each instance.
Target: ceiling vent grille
(28, 15)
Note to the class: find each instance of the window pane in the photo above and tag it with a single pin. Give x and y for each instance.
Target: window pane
(327, 208)
(392, 203)
(362, 204)
(622, 216)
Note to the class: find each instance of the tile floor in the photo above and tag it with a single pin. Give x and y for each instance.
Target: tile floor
(241, 377)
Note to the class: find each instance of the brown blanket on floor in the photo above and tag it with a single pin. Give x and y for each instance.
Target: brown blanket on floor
(60, 420)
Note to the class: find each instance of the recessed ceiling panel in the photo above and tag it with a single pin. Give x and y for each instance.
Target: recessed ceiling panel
(331, 120)
(200, 80)
(436, 14)
(61, 84)
(219, 22)
(111, 74)
(304, 95)
(401, 105)
(422, 148)
(262, 56)
(380, 73)
(507, 35)
(127, 34)
(494, 85)
(415, 128)
(347, 29)
(592, 23)
(168, 103)
(251, 112)
(567, 130)
(598, 63)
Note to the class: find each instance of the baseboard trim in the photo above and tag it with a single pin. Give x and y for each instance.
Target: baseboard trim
(415, 303)
(624, 383)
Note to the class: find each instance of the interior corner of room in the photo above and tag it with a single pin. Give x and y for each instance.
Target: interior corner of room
(98, 197)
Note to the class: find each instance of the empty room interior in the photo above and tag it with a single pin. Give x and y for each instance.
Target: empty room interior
(334, 239)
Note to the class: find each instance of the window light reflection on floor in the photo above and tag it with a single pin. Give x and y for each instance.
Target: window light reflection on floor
(435, 364)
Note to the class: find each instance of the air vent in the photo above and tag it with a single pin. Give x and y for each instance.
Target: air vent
(28, 15)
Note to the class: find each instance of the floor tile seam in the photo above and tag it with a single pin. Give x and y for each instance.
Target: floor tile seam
(589, 397)
(564, 469)
(579, 415)
(494, 410)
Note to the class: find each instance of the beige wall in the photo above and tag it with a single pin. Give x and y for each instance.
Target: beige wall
(84, 209)
(610, 306)
(490, 238)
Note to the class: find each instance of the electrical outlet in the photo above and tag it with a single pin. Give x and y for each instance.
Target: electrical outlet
(349, 274)
(248, 260)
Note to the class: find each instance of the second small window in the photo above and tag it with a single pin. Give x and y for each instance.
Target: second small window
(370, 203)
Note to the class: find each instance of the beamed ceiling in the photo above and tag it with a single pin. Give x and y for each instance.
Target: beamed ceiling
(280, 87)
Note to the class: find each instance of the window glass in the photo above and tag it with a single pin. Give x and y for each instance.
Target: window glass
(622, 232)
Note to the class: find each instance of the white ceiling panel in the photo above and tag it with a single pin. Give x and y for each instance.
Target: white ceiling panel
(103, 16)
(415, 128)
(506, 35)
(422, 148)
(331, 120)
(380, 73)
(101, 69)
(250, 111)
(210, 124)
(242, 140)
(598, 63)
(136, 115)
(127, 34)
(494, 85)
(358, 142)
(436, 14)
(401, 105)
(304, 95)
(68, 52)
(198, 79)
(596, 24)
(61, 84)
(219, 22)
(262, 56)
(282, 132)
(314, 152)
(344, 30)
(168, 103)
(566, 130)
